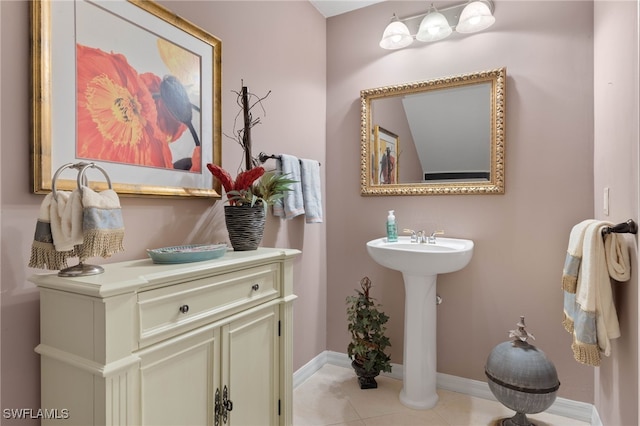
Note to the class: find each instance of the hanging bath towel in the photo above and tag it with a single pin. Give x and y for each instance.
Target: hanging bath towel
(311, 190)
(292, 204)
(574, 256)
(589, 311)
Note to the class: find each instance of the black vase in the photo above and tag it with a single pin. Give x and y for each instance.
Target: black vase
(245, 226)
(366, 379)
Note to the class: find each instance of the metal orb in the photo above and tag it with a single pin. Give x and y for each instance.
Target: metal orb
(521, 377)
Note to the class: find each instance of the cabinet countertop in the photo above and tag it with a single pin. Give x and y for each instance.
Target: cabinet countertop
(136, 275)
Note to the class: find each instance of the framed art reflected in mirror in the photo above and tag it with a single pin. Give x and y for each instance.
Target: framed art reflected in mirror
(385, 151)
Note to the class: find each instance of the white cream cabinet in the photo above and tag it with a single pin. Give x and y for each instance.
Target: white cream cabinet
(204, 343)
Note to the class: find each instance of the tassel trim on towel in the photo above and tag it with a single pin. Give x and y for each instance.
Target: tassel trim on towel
(45, 256)
(102, 242)
(586, 354)
(567, 323)
(569, 283)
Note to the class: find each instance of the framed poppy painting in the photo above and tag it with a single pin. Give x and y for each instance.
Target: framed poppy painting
(129, 86)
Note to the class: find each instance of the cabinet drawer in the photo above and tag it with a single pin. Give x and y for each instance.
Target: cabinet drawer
(166, 311)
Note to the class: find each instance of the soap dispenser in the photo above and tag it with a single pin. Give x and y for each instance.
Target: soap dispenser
(392, 229)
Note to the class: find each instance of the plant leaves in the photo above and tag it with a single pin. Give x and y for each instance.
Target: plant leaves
(223, 176)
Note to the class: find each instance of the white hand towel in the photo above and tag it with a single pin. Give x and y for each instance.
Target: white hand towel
(580, 307)
(616, 252)
(573, 257)
(616, 259)
(61, 241)
(102, 223)
(311, 190)
(292, 204)
(43, 252)
(72, 219)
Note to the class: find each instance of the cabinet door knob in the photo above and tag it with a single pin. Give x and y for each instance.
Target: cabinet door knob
(255, 287)
(184, 309)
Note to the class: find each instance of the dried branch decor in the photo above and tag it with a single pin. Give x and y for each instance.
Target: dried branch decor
(247, 101)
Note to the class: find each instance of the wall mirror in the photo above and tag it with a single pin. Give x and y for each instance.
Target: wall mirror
(441, 136)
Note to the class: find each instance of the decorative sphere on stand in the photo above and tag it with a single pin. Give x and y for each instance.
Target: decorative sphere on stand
(521, 377)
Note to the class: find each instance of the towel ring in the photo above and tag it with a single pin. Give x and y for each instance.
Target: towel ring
(81, 269)
(81, 180)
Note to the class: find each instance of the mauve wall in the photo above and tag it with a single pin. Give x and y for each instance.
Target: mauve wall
(616, 133)
(262, 45)
(521, 237)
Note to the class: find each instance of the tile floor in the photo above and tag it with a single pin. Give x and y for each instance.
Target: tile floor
(332, 397)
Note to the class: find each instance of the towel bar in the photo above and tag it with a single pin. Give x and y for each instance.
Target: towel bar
(628, 227)
(264, 157)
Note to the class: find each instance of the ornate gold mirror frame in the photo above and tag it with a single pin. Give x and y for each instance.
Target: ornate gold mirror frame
(373, 149)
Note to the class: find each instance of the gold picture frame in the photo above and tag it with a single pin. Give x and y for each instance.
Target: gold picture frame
(148, 112)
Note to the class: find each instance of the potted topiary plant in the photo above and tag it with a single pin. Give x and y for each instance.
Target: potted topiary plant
(368, 340)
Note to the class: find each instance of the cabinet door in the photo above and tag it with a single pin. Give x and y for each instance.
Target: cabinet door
(250, 368)
(177, 380)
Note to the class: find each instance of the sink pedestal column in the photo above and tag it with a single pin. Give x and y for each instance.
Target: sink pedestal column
(419, 376)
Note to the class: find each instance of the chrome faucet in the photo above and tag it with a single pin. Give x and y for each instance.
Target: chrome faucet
(431, 239)
(422, 237)
(414, 235)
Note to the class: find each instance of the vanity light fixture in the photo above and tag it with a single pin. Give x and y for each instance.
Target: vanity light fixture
(396, 35)
(433, 27)
(469, 17)
(475, 17)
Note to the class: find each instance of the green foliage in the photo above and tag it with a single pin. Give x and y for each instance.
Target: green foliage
(367, 328)
(265, 192)
(272, 186)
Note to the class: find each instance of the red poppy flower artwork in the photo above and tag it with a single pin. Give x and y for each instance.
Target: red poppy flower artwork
(129, 117)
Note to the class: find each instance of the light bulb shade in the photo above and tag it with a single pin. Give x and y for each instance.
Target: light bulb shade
(433, 27)
(476, 16)
(396, 36)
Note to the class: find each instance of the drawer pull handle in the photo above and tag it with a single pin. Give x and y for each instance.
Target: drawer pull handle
(255, 287)
(184, 309)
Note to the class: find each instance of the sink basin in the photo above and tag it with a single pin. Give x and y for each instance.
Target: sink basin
(446, 255)
(420, 265)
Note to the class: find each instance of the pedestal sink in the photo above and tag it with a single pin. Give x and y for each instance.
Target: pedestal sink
(420, 263)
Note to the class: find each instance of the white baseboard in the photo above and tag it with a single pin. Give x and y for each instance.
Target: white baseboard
(307, 370)
(562, 407)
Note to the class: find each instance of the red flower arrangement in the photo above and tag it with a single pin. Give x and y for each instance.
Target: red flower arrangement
(243, 181)
(254, 187)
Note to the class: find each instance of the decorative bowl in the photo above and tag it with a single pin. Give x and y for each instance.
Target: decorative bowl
(188, 253)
